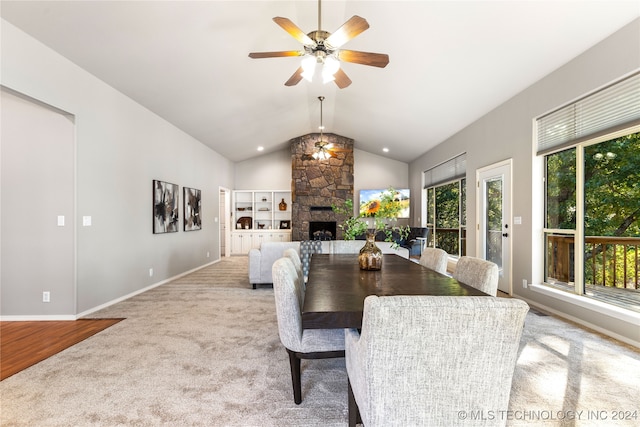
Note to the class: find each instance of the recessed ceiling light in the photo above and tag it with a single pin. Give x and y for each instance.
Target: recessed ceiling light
(261, 148)
(385, 149)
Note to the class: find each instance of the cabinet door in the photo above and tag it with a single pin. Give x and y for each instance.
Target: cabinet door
(246, 243)
(258, 239)
(281, 237)
(236, 243)
(240, 243)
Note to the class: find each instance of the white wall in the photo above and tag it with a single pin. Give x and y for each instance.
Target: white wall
(273, 172)
(121, 148)
(507, 132)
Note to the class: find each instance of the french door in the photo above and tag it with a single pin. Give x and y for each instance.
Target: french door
(494, 213)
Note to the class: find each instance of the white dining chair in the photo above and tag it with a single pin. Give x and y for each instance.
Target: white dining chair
(435, 259)
(477, 272)
(292, 254)
(421, 360)
(300, 343)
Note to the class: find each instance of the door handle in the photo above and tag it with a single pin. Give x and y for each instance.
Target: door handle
(505, 234)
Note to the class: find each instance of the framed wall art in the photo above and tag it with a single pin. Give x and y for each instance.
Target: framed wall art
(165, 207)
(191, 210)
(285, 225)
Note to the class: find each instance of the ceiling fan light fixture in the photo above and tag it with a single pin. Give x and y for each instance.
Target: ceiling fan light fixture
(321, 154)
(308, 65)
(330, 67)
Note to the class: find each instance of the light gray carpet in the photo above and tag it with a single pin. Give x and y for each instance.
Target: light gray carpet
(204, 350)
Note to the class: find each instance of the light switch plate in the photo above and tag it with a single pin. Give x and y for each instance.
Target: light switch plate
(60, 220)
(86, 221)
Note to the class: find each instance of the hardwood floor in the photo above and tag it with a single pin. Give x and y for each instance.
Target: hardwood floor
(23, 344)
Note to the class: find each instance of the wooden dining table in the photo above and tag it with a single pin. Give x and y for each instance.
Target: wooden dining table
(336, 287)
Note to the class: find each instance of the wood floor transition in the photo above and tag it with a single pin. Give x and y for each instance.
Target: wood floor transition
(23, 344)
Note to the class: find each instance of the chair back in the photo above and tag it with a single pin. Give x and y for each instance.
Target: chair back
(479, 273)
(308, 248)
(421, 359)
(289, 297)
(435, 259)
(292, 254)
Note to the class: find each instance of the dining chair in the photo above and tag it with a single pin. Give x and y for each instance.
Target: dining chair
(477, 272)
(424, 360)
(292, 254)
(307, 249)
(435, 259)
(300, 343)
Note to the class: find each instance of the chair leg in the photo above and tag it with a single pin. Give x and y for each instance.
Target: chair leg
(354, 411)
(294, 361)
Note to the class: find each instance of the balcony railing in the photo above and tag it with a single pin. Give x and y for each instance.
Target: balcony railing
(609, 261)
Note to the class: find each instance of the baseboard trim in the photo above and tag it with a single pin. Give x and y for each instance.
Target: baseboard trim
(37, 318)
(34, 318)
(140, 291)
(581, 322)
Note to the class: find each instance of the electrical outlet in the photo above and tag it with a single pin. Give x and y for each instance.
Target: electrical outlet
(151, 272)
(524, 283)
(207, 254)
(46, 296)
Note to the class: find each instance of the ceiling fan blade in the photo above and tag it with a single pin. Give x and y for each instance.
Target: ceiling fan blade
(284, 53)
(347, 31)
(293, 29)
(341, 79)
(365, 58)
(295, 78)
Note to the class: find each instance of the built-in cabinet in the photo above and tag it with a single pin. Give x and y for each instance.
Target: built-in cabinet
(259, 216)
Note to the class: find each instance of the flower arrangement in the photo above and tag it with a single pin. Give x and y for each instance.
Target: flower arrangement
(374, 216)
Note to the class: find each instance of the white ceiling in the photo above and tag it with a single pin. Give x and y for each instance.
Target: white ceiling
(451, 62)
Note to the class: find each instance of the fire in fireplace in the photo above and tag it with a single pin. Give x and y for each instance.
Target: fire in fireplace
(322, 230)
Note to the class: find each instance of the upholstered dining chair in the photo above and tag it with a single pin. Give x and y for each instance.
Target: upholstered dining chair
(477, 272)
(435, 259)
(423, 360)
(292, 254)
(307, 249)
(300, 344)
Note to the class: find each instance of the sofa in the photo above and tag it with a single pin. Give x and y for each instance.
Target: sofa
(411, 242)
(261, 260)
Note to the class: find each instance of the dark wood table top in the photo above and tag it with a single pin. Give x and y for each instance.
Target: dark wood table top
(336, 287)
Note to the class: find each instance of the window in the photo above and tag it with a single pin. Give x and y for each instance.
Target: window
(592, 196)
(445, 216)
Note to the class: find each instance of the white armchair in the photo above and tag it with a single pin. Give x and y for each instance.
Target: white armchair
(420, 360)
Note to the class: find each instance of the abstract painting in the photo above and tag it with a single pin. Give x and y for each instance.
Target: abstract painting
(165, 207)
(192, 219)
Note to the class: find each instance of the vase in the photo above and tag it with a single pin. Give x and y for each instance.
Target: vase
(370, 257)
(283, 205)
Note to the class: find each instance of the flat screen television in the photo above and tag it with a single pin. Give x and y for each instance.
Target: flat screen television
(369, 196)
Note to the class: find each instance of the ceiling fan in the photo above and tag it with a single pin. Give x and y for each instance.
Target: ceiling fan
(324, 150)
(322, 47)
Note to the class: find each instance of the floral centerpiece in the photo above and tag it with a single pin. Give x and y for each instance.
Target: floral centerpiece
(373, 217)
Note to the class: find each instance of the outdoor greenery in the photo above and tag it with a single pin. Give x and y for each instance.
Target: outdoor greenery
(611, 203)
(446, 215)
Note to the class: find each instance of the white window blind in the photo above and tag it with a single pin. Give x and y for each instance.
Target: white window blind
(614, 107)
(455, 168)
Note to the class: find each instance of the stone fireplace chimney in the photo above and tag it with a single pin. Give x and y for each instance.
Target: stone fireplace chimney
(318, 184)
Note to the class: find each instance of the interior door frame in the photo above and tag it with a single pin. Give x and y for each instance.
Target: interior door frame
(507, 273)
(224, 231)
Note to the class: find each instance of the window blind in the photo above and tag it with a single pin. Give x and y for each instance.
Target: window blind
(455, 168)
(609, 109)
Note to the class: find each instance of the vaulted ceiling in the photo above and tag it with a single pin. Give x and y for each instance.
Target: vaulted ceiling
(451, 62)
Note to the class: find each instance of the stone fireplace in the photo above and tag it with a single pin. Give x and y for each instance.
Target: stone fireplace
(318, 184)
(322, 230)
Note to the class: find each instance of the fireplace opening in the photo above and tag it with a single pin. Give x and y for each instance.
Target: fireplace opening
(322, 230)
